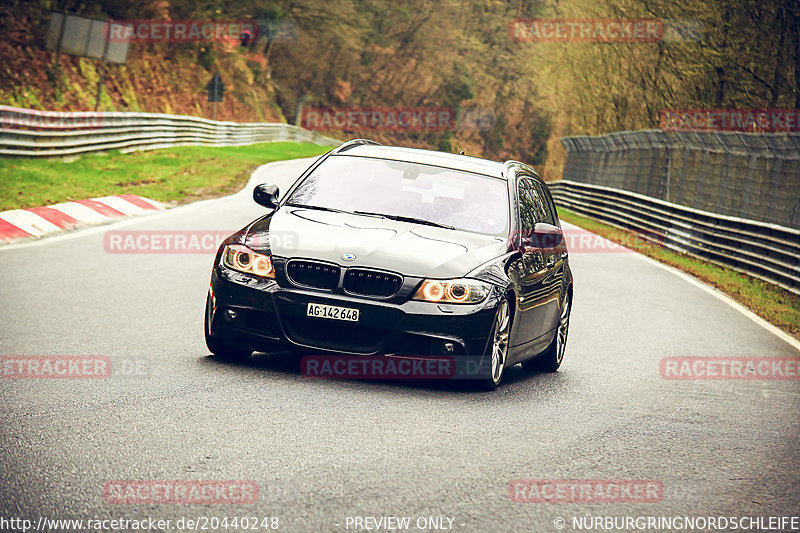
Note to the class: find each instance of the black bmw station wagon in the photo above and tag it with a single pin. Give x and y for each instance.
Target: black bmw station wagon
(396, 252)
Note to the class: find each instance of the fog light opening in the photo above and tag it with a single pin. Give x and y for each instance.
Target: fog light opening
(230, 315)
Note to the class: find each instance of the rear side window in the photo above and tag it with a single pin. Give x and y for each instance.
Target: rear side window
(547, 211)
(527, 206)
(538, 202)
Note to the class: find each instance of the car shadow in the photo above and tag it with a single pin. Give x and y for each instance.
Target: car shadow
(289, 364)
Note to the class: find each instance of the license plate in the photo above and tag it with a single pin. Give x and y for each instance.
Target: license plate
(332, 312)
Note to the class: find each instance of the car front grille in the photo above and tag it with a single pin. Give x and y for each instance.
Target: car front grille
(372, 283)
(334, 335)
(313, 274)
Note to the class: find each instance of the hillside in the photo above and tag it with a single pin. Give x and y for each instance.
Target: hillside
(157, 78)
(367, 54)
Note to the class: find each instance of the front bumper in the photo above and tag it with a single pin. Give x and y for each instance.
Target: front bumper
(268, 315)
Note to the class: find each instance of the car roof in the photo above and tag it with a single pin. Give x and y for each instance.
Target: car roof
(466, 163)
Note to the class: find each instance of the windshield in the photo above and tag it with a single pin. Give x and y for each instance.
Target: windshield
(441, 196)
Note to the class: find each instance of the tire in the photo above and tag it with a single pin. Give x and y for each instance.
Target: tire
(219, 348)
(497, 347)
(551, 358)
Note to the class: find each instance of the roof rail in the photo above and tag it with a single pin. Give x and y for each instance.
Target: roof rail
(512, 163)
(352, 143)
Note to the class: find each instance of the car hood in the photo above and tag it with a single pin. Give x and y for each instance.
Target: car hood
(407, 248)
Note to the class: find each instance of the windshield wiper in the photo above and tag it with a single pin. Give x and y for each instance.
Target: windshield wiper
(319, 207)
(402, 218)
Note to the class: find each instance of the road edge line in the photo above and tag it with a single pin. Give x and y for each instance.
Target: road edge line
(713, 291)
(772, 328)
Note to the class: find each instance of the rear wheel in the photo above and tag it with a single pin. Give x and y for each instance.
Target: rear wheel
(218, 347)
(498, 347)
(550, 360)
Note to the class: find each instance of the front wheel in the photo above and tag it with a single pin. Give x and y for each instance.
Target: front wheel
(498, 347)
(551, 358)
(219, 348)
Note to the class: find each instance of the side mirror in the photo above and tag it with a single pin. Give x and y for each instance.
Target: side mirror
(543, 236)
(266, 195)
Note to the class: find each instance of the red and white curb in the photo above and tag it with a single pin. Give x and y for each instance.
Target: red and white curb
(37, 222)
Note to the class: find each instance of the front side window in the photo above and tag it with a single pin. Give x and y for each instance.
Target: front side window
(463, 200)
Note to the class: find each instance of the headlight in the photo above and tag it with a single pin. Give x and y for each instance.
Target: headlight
(452, 291)
(241, 258)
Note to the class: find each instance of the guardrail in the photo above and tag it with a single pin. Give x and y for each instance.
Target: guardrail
(766, 251)
(31, 133)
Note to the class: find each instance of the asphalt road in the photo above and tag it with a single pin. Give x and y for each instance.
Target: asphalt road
(323, 450)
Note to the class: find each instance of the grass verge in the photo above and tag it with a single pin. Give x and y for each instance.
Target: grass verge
(777, 306)
(174, 175)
